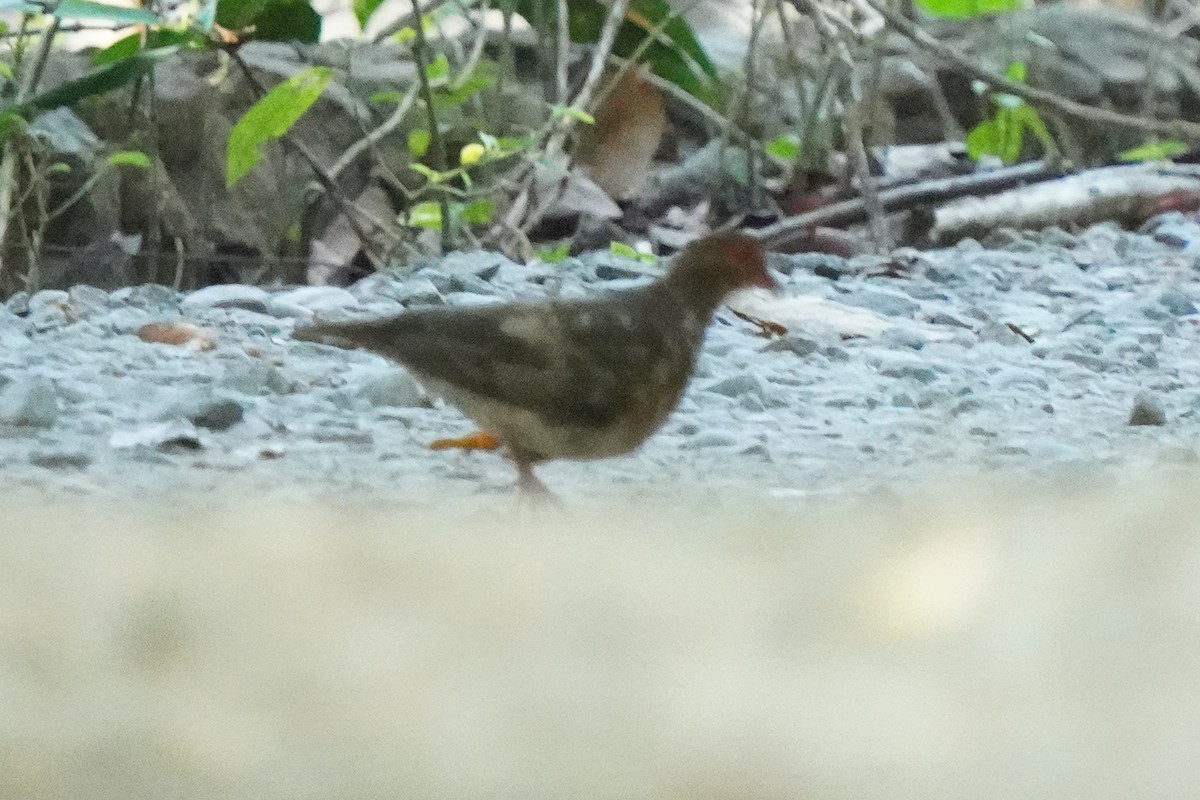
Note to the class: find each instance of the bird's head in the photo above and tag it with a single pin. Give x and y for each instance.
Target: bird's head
(710, 268)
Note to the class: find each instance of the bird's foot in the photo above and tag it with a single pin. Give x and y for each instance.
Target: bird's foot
(480, 440)
(532, 489)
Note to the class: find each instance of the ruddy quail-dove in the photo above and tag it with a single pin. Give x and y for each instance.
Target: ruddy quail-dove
(577, 379)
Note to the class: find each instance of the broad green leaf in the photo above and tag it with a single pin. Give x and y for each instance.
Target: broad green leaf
(438, 68)
(471, 153)
(1016, 72)
(418, 142)
(363, 9)
(785, 148)
(6, 71)
(478, 212)
(404, 35)
(288, 21)
(426, 215)
(127, 46)
(130, 158)
(269, 118)
(1154, 151)
(555, 254)
(238, 14)
(963, 9)
(571, 112)
(98, 81)
(87, 9)
(10, 123)
(622, 249)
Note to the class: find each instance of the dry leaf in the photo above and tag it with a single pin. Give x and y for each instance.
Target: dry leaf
(617, 151)
(179, 334)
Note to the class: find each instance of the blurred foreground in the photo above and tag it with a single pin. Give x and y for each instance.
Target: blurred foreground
(987, 644)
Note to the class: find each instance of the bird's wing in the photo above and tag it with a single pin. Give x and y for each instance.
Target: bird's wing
(581, 362)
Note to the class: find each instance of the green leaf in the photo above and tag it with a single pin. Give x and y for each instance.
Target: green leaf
(129, 158)
(239, 14)
(418, 142)
(10, 123)
(128, 46)
(622, 249)
(426, 215)
(965, 9)
(98, 81)
(438, 68)
(1016, 72)
(785, 148)
(87, 9)
(1154, 151)
(404, 35)
(269, 118)
(571, 112)
(555, 254)
(478, 212)
(471, 153)
(288, 21)
(363, 9)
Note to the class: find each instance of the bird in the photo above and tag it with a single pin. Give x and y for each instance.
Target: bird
(575, 379)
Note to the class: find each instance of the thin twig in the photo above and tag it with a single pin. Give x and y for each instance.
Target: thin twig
(564, 45)
(437, 144)
(373, 137)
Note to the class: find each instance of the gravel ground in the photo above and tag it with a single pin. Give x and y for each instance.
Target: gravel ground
(1027, 354)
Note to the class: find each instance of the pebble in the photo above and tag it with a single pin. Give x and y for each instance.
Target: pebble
(29, 402)
(1147, 410)
(396, 388)
(882, 301)
(1177, 302)
(256, 378)
(228, 295)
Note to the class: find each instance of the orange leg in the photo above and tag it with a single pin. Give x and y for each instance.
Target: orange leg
(480, 440)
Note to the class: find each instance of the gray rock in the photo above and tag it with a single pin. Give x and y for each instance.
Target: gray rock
(1176, 302)
(796, 343)
(1147, 410)
(396, 388)
(18, 304)
(48, 309)
(905, 369)
(942, 318)
(60, 459)
(745, 383)
(29, 402)
(217, 414)
(256, 378)
(1000, 333)
(711, 439)
(882, 301)
(84, 301)
(315, 299)
(149, 296)
(229, 295)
